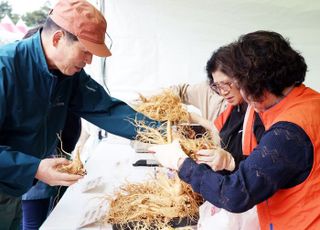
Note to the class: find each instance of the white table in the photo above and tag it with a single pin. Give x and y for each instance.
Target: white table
(114, 162)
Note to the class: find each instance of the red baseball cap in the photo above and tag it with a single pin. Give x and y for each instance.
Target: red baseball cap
(84, 21)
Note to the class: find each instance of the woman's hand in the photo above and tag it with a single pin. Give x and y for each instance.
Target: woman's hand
(169, 155)
(217, 158)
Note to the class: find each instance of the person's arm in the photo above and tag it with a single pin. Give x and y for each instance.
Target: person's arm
(91, 102)
(283, 159)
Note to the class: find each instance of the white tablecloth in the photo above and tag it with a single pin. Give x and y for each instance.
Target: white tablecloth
(112, 161)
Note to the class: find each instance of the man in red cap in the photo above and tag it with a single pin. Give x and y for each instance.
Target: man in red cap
(73, 32)
(41, 79)
(84, 21)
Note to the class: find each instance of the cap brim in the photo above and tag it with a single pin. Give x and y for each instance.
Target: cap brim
(100, 50)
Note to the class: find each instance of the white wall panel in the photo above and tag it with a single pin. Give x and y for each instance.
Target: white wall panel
(162, 42)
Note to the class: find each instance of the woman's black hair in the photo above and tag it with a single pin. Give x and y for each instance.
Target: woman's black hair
(265, 61)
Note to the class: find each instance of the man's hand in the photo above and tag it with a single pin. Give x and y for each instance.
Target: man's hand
(48, 174)
(169, 154)
(217, 158)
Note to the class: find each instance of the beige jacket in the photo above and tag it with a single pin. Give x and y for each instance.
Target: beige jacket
(202, 97)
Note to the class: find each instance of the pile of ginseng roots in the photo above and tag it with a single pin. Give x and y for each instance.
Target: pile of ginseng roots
(168, 108)
(165, 106)
(153, 204)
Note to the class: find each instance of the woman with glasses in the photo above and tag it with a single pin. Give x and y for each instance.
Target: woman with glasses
(230, 122)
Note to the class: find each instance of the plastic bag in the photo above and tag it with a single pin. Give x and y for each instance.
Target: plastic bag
(212, 217)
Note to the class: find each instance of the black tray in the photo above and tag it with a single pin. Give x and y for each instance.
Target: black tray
(175, 223)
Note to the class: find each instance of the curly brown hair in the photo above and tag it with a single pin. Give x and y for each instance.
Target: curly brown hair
(265, 61)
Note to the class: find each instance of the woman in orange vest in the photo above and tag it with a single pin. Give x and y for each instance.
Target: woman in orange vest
(281, 174)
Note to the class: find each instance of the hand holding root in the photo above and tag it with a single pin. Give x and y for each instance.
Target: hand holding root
(169, 155)
(47, 172)
(75, 167)
(217, 158)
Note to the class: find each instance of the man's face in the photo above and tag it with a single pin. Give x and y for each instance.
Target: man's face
(71, 56)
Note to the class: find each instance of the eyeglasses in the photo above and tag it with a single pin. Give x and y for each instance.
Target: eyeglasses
(225, 86)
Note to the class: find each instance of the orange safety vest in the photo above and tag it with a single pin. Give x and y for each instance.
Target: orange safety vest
(297, 207)
(222, 118)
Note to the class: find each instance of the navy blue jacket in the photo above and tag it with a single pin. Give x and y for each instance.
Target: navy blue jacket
(33, 107)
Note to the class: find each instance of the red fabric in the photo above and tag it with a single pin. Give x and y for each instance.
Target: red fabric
(9, 27)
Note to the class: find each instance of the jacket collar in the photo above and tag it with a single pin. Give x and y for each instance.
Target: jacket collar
(38, 54)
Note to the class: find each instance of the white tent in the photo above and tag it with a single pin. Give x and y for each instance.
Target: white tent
(8, 31)
(22, 27)
(157, 43)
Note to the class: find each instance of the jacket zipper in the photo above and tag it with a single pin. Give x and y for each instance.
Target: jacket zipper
(52, 86)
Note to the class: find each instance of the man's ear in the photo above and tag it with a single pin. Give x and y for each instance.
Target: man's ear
(57, 37)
